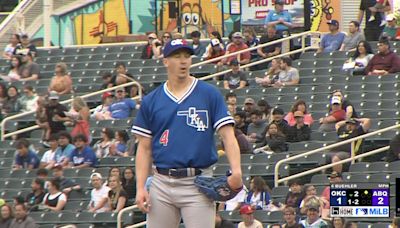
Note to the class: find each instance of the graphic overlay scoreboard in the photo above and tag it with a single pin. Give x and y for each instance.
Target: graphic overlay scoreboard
(360, 200)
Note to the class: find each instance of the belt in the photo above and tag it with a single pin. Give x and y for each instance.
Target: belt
(179, 173)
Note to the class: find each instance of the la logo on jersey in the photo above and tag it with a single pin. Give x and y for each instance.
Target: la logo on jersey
(196, 118)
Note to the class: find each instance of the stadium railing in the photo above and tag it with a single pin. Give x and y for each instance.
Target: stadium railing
(9, 20)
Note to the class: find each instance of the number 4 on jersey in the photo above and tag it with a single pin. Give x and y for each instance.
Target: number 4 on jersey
(164, 138)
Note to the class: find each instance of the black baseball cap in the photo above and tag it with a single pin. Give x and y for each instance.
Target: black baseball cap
(333, 22)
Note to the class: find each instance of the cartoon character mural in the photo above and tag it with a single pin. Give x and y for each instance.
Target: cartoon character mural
(323, 11)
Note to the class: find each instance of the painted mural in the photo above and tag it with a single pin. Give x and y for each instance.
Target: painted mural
(323, 11)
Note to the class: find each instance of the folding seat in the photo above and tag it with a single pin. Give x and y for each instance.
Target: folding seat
(304, 64)
(320, 179)
(84, 173)
(356, 178)
(37, 216)
(125, 161)
(22, 174)
(378, 167)
(105, 217)
(342, 55)
(261, 170)
(69, 51)
(322, 72)
(390, 95)
(315, 107)
(339, 79)
(14, 184)
(306, 73)
(323, 63)
(279, 191)
(323, 55)
(388, 114)
(381, 225)
(51, 217)
(379, 178)
(322, 80)
(307, 55)
(390, 86)
(394, 167)
(85, 217)
(9, 194)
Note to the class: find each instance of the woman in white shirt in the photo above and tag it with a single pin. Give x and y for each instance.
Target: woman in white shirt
(361, 58)
(54, 200)
(102, 147)
(9, 49)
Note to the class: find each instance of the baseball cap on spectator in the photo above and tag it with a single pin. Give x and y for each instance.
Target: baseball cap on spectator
(96, 175)
(249, 100)
(175, 45)
(333, 22)
(215, 42)
(237, 35)
(313, 206)
(246, 209)
(278, 111)
(19, 199)
(279, 2)
(351, 121)
(298, 114)
(53, 95)
(106, 94)
(336, 100)
(234, 63)
(390, 17)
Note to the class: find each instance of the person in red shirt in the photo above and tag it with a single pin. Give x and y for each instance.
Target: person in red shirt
(335, 115)
(385, 61)
(147, 51)
(216, 51)
(237, 44)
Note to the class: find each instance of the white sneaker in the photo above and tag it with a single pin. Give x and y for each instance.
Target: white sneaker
(383, 23)
(371, 18)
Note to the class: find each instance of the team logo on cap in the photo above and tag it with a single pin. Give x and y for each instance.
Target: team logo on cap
(178, 42)
(196, 118)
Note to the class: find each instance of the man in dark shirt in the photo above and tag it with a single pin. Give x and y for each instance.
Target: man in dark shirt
(25, 46)
(289, 215)
(55, 112)
(373, 29)
(35, 198)
(147, 51)
(22, 219)
(271, 50)
(385, 61)
(300, 131)
(235, 79)
(240, 122)
(277, 118)
(25, 158)
(29, 70)
(66, 185)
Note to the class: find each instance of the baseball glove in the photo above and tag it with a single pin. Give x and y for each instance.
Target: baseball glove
(216, 189)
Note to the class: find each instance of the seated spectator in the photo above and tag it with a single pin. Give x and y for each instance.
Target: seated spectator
(272, 75)
(390, 30)
(147, 51)
(80, 122)
(248, 220)
(241, 138)
(300, 131)
(61, 82)
(299, 105)
(354, 37)
(54, 200)
(114, 171)
(123, 77)
(235, 79)
(395, 222)
(25, 158)
(249, 108)
(117, 196)
(277, 118)
(234, 203)
(336, 114)
(295, 194)
(14, 71)
(240, 123)
(198, 48)
(101, 111)
(238, 44)
(311, 196)
(338, 222)
(251, 40)
(102, 147)
(64, 150)
(231, 108)
(275, 140)
(214, 35)
(270, 50)
(358, 62)
(55, 113)
(7, 215)
(349, 129)
(265, 108)
(29, 100)
(29, 70)
(221, 222)
(313, 218)
(9, 49)
(289, 215)
(333, 40)
(231, 98)
(3, 94)
(159, 45)
(257, 127)
(41, 120)
(347, 106)
(129, 182)
(11, 105)
(82, 156)
(35, 198)
(122, 107)
(120, 147)
(334, 178)
(22, 219)
(99, 194)
(259, 194)
(107, 80)
(48, 156)
(66, 185)
(393, 154)
(25, 46)
(288, 75)
(216, 50)
(43, 174)
(385, 61)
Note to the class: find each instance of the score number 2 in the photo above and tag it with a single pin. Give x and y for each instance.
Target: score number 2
(164, 138)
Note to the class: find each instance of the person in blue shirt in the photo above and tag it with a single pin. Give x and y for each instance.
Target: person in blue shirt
(25, 158)
(279, 17)
(64, 150)
(332, 41)
(122, 107)
(83, 156)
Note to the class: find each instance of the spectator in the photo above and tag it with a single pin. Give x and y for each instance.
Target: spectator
(348, 129)
(334, 178)
(299, 105)
(3, 94)
(257, 127)
(385, 61)
(14, 71)
(55, 112)
(215, 51)
(99, 194)
(43, 174)
(107, 80)
(119, 147)
(117, 196)
(102, 147)
(289, 215)
(240, 123)
(48, 156)
(380, 4)
(270, 50)
(158, 51)
(373, 28)
(6, 216)
(22, 219)
(82, 156)
(259, 194)
(351, 224)
(347, 106)
(300, 131)
(66, 185)
(231, 98)
(122, 107)
(25, 158)
(248, 220)
(277, 118)
(244, 145)
(41, 120)
(272, 75)
(249, 107)
(11, 106)
(122, 76)
(35, 198)
(64, 150)
(313, 219)
(114, 171)
(231, 108)
(234, 203)
(353, 38)
(54, 200)
(395, 222)
(235, 79)
(280, 18)
(275, 140)
(129, 182)
(311, 196)
(25, 46)
(360, 59)
(333, 40)
(29, 70)
(101, 111)
(338, 222)
(81, 120)
(288, 75)
(61, 82)
(393, 154)
(147, 51)
(265, 108)
(336, 114)
(222, 223)
(251, 40)
(198, 48)
(238, 44)
(29, 100)
(295, 194)
(9, 49)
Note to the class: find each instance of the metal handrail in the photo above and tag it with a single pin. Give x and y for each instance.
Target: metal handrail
(119, 217)
(5, 120)
(16, 10)
(280, 162)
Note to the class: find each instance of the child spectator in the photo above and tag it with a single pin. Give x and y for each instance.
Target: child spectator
(9, 49)
(102, 147)
(289, 215)
(295, 194)
(117, 196)
(82, 156)
(25, 158)
(259, 194)
(198, 48)
(107, 80)
(48, 156)
(299, 105)
(336, 114)
(119, 147)
(54, 200)
(214, 35)
(277, 118)
(248, 220)
(347, 106)
(235, 79)
(275, 140)
(61, 82)
(216, 50)
(379, 5)
(313, 218)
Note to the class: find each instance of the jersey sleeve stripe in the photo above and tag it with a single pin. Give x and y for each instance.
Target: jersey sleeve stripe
(141, 129)
(141, 133)
(223, 122)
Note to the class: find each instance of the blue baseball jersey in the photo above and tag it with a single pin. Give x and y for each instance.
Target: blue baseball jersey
(182, 130)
